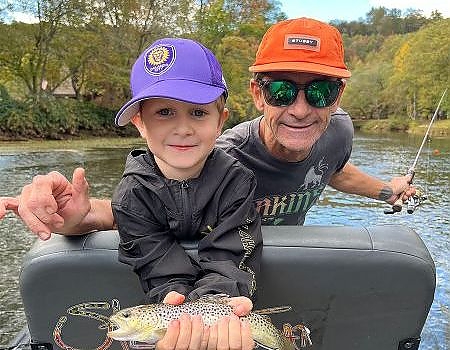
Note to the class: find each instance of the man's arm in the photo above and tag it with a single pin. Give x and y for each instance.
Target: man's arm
(352, 180)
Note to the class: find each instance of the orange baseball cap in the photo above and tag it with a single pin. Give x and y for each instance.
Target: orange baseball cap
(302, 45)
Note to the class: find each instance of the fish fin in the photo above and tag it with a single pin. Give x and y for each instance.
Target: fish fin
(264, 346)
(134, 344)
(273, 310)
(151, 335)
(159, 333)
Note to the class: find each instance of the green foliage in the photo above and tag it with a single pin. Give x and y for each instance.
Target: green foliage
(397, 123)
(384, 21)
(13, 118)
(238, 57)
(383, 125)
(405, 77)
(358, 47)
(421, 67)
(92, 48)
(48, 117)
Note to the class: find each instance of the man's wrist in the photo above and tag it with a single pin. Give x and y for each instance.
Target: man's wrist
(385, 194)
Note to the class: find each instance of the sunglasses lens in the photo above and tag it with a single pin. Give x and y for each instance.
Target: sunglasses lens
(322, 93)
(319, 93)
(280, 93)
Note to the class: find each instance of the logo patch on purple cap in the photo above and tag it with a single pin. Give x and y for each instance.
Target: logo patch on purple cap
(159, 59)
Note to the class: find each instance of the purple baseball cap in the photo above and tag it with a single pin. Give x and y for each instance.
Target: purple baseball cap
(173, 68)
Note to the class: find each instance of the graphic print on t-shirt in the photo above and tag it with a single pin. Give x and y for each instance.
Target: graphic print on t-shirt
(291, 208)
(313, 177)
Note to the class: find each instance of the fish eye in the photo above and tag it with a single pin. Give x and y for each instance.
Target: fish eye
(126, 314)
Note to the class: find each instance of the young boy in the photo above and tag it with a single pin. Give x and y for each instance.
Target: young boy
(182, 188)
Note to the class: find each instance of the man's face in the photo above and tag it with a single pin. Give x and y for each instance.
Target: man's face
(289, 132)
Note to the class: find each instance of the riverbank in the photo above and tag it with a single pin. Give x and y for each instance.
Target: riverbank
(440, 128)
(86, 142)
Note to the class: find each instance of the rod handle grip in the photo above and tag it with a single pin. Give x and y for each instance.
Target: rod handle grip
(398, 204)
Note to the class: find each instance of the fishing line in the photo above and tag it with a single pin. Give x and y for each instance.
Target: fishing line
(427, 172)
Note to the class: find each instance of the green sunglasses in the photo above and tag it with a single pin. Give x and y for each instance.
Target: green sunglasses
(318, 93)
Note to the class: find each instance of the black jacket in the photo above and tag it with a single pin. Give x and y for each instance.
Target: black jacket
(154, 214)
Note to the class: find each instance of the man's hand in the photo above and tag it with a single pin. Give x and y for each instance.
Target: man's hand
(401, 188)
(8, 203)
(52, 204)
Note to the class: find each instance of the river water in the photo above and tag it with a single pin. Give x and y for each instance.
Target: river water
(382, 156)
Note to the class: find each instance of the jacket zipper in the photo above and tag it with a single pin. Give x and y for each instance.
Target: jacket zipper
(186, 207)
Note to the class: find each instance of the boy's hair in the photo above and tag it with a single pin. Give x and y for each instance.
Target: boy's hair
(174, 68)
(220, 103)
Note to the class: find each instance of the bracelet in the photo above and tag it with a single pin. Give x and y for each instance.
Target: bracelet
(385, 193)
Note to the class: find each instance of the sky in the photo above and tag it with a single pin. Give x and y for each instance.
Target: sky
(348, 10)
(327, 10)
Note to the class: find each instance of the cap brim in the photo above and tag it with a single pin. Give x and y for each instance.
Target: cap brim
(181, 90)
(301, 67)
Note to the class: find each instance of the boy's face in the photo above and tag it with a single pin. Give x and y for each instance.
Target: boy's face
(180, 135)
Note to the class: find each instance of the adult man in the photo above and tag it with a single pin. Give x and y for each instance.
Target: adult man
(301, 143)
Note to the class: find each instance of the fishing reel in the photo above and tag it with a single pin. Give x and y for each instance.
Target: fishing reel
(411, 204)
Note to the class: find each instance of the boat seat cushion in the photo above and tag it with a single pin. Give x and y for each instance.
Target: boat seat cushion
(353, 287)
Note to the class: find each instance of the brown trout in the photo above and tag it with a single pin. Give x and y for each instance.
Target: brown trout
(148, 323)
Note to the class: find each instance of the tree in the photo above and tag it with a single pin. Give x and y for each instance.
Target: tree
(232, 29)
(368, 93)
(126, 28)
(238, 54)
(413, 21)
(33, 56)
(421, 67)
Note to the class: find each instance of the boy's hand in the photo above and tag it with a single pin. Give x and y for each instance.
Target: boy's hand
(190, 332)
(174, 298)
(241, 305)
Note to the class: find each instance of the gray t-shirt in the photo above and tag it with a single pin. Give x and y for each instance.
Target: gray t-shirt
(287, 190)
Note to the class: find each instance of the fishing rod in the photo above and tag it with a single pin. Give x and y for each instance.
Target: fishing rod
(414, 201)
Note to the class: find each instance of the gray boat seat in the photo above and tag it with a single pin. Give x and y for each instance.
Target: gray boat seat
(355, 288)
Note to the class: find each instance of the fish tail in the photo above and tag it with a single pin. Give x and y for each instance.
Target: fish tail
(289, 338)
(305, 339)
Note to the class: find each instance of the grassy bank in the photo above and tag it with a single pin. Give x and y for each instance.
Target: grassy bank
(440, 128)
(75, 143)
